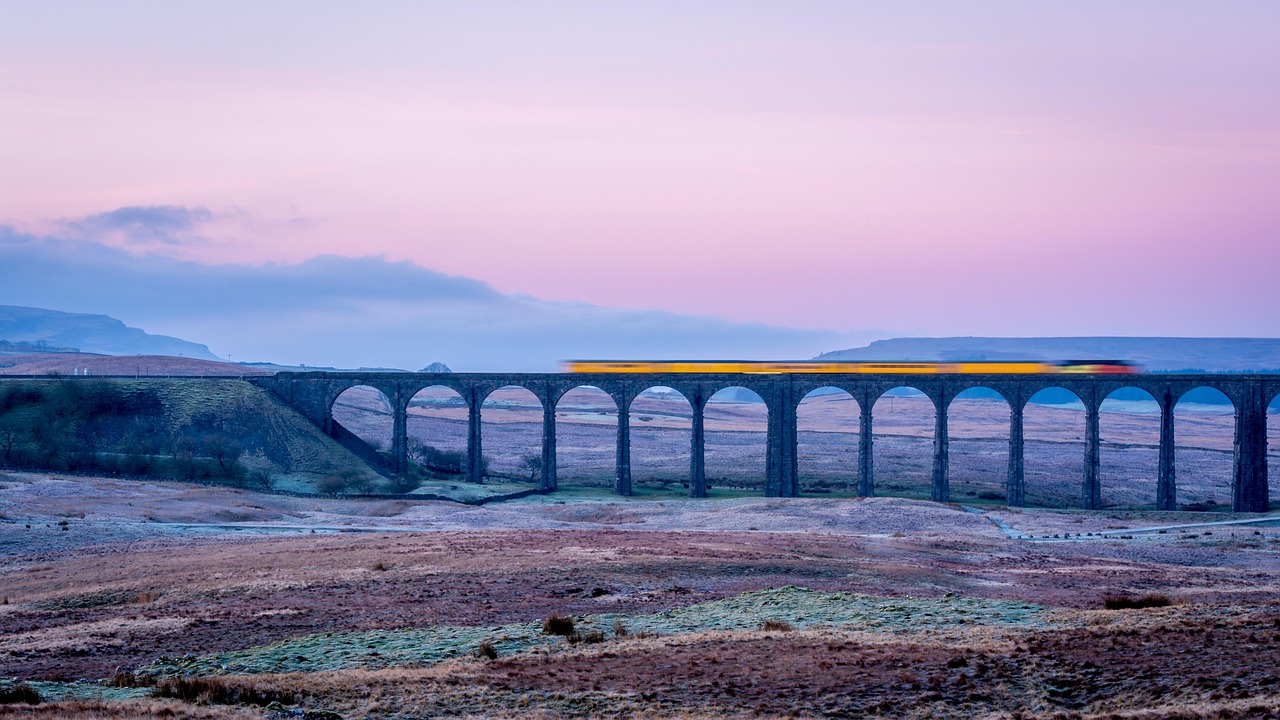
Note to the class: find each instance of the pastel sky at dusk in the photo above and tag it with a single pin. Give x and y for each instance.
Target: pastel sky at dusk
(923, 168)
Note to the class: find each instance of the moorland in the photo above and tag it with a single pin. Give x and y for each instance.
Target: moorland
(129, 596)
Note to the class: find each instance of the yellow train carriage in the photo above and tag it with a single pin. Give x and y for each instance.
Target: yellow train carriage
(1015, 367)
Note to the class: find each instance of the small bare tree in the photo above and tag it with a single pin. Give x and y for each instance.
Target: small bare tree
(533, 464)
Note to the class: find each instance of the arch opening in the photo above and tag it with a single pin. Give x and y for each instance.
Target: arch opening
(436, 425)
(1129, 448)
(586, 437)
(661, 420)
(364, 412)
(1204, 449)
(1053, 427)
(736, 423)
(827, 432)
(903, 435)
(511, 435)
(978, 445)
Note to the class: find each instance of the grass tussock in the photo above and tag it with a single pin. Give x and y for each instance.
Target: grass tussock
(1125, 602)
(19, 694)
(486, 650)
(223, 691)
(561, 625)
(777, 626)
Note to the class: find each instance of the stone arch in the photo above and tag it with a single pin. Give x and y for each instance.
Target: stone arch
(1129, 434)
(511, 431)
(586, 436)
(661, 421)
(1204, 445)
(363, 420)
(978, 429)
(828, 422)
(1053, 421)
(904, 440)
(736, 422)
(436, 429)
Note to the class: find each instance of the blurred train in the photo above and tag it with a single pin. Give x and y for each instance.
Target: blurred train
(977, 367)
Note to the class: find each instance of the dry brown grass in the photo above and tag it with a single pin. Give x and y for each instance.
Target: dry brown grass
(224, 691)
(1126, 602)
(128, 710)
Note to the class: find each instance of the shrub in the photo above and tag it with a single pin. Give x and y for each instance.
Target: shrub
(777, 626)
(218, 691)
(486, 650)
(19, 693)
(344, 482)
(1124, 602)
(558, 625)
(402, 484)
(441, 461)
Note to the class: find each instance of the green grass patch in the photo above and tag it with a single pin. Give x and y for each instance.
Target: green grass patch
(798, 607)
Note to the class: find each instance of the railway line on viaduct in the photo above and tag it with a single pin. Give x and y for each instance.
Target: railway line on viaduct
(314, 393)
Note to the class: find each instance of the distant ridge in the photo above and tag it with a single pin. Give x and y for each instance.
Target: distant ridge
(1155, 354)
(90, 334)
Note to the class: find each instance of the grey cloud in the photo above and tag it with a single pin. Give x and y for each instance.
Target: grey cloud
(145, 225)
(352, 312)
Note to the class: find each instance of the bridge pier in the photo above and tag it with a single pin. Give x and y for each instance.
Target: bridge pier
(1017, 483)
(622, 475)
(475, 453)
(399, 434)
(780, 445)
(1249, 491)
(790, 439)
(941, 487)
(548, 482)
(866, 463)
(1091, 492)
(1166, 479)
(698, 446)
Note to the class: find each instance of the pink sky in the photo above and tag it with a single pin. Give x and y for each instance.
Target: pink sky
(933, 168)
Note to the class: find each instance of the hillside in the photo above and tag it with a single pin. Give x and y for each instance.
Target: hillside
(213, 430)
(135, 365)
(1155, 354)
(90, 334)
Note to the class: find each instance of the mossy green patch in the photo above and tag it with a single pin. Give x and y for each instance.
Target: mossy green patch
(84, 690)
(799, 607)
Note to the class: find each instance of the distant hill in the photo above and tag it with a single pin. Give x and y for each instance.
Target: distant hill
(1155, 354)
(88, 333)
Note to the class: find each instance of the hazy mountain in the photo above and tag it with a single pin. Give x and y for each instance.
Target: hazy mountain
(1155, 354)
(90, 334)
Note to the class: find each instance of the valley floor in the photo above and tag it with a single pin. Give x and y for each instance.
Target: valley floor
(881, 607)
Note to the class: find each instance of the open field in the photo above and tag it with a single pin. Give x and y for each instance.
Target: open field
(586, 441)
(897, 608)
(69, 364)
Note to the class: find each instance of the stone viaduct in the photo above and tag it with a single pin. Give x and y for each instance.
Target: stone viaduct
(313, 394)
